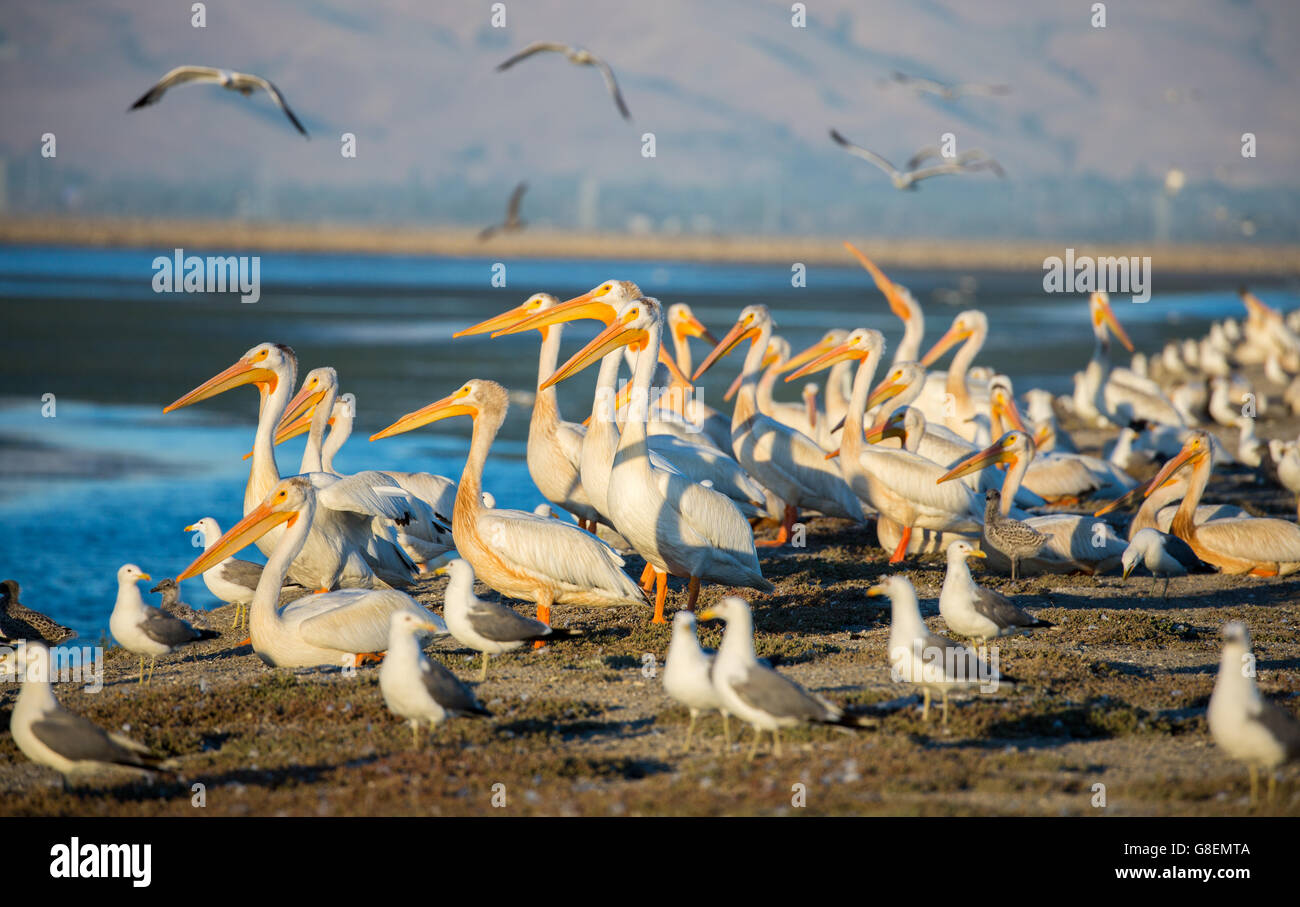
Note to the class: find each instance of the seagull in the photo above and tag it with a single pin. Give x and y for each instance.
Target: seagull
(241, 82)
(416, 688)
(578, 57)
(909, 178)
(918, 656)
(512, 222)
(1243, 723)
(172, 604)
(144, 629)
(1162, 554)
(487, 627)
(48, 734)
(973, 159)
(1013, 538)
(688, 675)
(758, 694)
(948, 92)
(974, 611)
(20, 622)
(233, 580)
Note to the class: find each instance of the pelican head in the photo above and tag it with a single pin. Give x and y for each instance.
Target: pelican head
(1103, 319)
(967, 324)
(1002, 404)
(1195, 449)
(265, 366)
(284, 503)
(683, 323)
(630, 327)
(476, 396)
(753, 320)
(129, 574)
(895, 425)
(538, 302)
(900, 378)
(315, 385)
(1009, 449)
(860, 344)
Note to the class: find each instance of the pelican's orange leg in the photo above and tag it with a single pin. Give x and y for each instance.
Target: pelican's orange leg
(787, 523)
(901, 551)
(368, 657)
(320, 590)
(661, 593)
(648, 578)
(544, 615)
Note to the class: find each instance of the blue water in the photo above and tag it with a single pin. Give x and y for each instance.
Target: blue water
(113, 480)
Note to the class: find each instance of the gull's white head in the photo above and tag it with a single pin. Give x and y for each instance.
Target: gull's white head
(407, 623)
(128, 574)
(962, 549)
(730, 608)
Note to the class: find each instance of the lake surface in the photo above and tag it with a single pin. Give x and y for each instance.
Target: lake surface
(110, 479)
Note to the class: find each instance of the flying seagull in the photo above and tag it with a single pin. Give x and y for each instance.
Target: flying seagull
(241, 82)
(512, 223)
(945, 91)
(579, 57)
(907, 179)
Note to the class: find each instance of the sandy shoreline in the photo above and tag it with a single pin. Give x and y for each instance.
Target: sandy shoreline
(959, 255)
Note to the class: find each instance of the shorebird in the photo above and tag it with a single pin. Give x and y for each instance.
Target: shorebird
(233, 580)
(756, 693)
(909, 177)
(512, 223)
(1014, 538)
(487, 627)
(688, 675)
(17, 621)
(241, 82)
(1164, 555)
(143, 629)
(50, 735)
(1243, 723)
(949, 92)
(172, 604)
(971, 610)
(416, 688)
(578, 57)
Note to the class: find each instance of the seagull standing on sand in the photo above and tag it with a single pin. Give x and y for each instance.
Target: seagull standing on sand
(241, 82)
(1164, 555)
(487, 627)
(578, 57)
(144, 629)
(233, 580)
(50, 735)
(757, 694)
(907, 179)
(688, 675)
(512, 223)
(1243, 723)
(416, 688)
(971, 610)
(17, 621)
(918, 656)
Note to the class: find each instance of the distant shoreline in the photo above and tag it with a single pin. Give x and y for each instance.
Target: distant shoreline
(921, 254)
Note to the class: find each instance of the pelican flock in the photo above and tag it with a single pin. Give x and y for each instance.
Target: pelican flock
(932, 488)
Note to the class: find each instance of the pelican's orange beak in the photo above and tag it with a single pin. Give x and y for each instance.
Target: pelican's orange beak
(1102, 313)
(690, 326)
(586, 306)
(260, 520)
(617, 335)
(1194, 450)
(296, 427)
(504, 320)
(1004, 408)
(1254, 305)
(301, 405)
(437, 410)
(892, 427)
(845, 351)
(888, 389)
(825, 345)
(740, 331)
(956, 334)
(895, 298)
(245, 371)
(997, 452)
(1134, 496)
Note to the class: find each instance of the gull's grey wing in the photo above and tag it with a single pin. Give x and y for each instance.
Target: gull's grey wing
(937, 170)
(512, 206)
(920, 84)
(501, 624)
(1282, 726)
(922, 156)
(775, 694)
(241, 573)
(535, 48)
(447, 690)
(999, 609)
(178, 76)
(863, 153)
(265, 85)
(78, 739)
(612, 84)
(979, 88)
(161, 627)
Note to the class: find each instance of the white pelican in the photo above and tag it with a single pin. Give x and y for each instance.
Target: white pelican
(688, 675)
(910, 178)
(17, 621)
(520, 555)
(838, 386)
(681, 528)
(50, 735)
(513, 223)
(902, 304)
(233, 580)
(933, 662)
(755, 693)
(682, 325)
(330, 628)
(487, 627)
(1259, 546)
(241, 82)
(974, 611)
(343, 548)
(901, 484)
(952, 402)
(1286, 456)
(1075, 542)
(416, 688)
(789, 463)
(578, 57)
(1048, 434)
(1243, 723)
(1117, 396)
(143, 629)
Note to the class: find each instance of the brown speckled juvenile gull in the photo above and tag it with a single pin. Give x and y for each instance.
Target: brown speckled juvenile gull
(20, 622)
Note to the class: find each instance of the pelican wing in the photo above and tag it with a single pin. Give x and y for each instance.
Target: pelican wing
(535, 48)
(568, 437)
(556, 549)
(178, 76)
(703, 461)
(1265, 540)
(707, 512)
(864, 153)
(439, 492)
(370, 493)
(350, 620)
(800, 460)
(917, 479)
